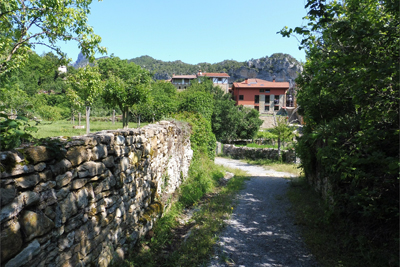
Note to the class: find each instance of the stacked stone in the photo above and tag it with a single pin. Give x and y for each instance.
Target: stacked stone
(87, 200)
(257, 153)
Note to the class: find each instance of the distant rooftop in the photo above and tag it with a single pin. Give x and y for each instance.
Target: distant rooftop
(258, 83)
(184, 76)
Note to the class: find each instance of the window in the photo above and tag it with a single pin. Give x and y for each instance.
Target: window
(256, 99)
(276, 100)
(267, 99)
(220, 79)
(257, 108)
(240, 97)
(276, 108)
(267, 90)
(261, 90)
(266, 108)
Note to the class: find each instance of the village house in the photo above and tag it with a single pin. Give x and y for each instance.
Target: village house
(181, 82)
(264, 96)
(219, 79)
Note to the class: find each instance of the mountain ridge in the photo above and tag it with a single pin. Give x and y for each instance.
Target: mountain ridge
(278, 66)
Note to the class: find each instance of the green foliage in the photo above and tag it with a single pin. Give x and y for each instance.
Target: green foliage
(337, 241)
(15, 102)
(282, 131)
(25, 24)
(164, 70)
(87, 84)
(197, 101)
(164, 101)
(202, 138)
(214, 208)
(250, 124)
(349, 96)
(126, 85)
(231, 122)
(266, 136)
(228, 121)
(200, 181)
(14, 131)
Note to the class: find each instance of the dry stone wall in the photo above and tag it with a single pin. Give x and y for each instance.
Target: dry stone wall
(87, 200)
(258, 153)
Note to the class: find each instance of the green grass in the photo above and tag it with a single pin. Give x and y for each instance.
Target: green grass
(334, 241)
(277, 166)
(165, 247)
(253, 145)
(64, 128)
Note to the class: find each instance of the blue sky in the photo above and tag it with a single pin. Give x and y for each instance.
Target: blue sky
(194, 31)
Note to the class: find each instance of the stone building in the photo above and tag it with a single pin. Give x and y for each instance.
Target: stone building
(181, 82)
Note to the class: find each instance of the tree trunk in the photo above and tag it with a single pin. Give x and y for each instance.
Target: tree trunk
(139, 121)
(279, 147)
(126, 111)
(73, 119)
(113, 117)
(123, 117)
(79, 118)
(87, 119)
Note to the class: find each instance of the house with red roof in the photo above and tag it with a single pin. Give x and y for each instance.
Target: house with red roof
(262, 95)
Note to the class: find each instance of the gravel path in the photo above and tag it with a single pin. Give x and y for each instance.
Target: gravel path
(260, 231)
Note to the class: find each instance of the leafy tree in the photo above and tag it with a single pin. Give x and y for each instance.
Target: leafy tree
(231, 122)
(15, 102)
(250, 123)
(25, 24)
(198, 98)
(202, 138)
(74, 102)
(282, 131)
(164, 102)
(14, 131)
(88, 85)
(127, 85)
(349, 97)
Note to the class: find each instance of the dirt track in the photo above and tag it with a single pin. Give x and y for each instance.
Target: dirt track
(260, 231)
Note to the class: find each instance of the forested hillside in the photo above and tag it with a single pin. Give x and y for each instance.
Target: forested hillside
(282, 67)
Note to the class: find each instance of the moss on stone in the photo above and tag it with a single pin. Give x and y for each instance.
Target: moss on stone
(153, 211)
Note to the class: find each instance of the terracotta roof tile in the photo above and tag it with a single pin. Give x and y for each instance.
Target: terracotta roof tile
(210, 74)
(258, 83)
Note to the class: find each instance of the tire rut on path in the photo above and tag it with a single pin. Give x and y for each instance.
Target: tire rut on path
(260, 231)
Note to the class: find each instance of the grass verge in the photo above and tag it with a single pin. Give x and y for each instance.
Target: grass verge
(173, 244)
(334, 241)
(277, 165)
(64, 128)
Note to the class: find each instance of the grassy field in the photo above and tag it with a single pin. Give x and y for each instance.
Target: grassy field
(64, 128)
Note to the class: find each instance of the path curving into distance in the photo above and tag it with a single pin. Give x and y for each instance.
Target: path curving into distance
(260, 231)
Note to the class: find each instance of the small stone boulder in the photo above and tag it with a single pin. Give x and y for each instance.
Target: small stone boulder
(35, 224)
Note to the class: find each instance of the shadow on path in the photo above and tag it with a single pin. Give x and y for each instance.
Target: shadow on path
(260, 231)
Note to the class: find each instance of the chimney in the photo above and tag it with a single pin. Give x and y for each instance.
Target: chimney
(273, 78)
(200, 73)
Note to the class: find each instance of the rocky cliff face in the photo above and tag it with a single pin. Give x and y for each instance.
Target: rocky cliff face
(81, 61)
(282, 67)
